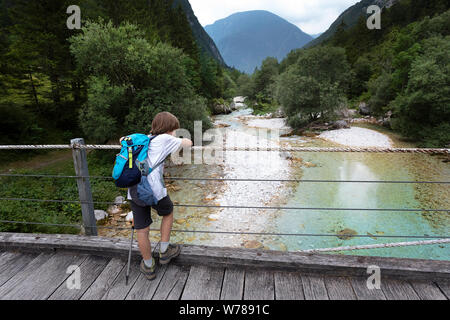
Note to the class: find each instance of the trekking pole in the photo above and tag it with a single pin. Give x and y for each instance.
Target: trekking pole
(129, 255)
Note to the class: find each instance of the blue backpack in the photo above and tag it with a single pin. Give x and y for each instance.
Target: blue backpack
(127, 171)
(131, 169)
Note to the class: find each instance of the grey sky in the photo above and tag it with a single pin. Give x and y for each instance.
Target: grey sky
(312, 16)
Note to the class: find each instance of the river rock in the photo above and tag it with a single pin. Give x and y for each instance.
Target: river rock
(114, 209)
(346, 234)
(341, 124)
(309, 165)
(253, 244)
(364, 109)
(100, 215)
(129, 216)
(119, 200)
(213, 217)
(222, 109)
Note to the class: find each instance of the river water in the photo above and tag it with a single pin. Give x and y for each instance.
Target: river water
(310, 166)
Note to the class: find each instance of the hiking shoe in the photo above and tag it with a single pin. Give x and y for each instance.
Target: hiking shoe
(173, 251)
(150, 273)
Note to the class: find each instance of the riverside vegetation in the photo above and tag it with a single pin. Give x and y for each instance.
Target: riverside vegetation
(131, 61)
(403, 69)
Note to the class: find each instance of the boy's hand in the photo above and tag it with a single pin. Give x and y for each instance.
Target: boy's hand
(186, 143)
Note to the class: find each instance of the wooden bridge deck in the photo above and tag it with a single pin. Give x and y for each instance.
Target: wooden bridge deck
(35, 267)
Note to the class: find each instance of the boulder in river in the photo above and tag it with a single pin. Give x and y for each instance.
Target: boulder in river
(222, 109)
(347, 234)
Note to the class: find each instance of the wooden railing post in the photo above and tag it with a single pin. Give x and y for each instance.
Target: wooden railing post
(84, 187)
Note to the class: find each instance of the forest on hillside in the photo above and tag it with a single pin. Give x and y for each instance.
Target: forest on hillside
(130, 60)
(402, 69)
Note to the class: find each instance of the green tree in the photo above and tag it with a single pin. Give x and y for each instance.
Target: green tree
(131, 80)
(422, 110)
(314, 86)
(264, 79)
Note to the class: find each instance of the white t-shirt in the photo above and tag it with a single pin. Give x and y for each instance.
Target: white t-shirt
(159, 149)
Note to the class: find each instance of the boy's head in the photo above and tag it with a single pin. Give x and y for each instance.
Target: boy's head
(164, 122)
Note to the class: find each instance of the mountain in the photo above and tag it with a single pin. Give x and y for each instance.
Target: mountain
(204, 41)
(350, 18)
(245, 39)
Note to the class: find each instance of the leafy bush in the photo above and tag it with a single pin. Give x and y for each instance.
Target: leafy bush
(131, 81)
(422, 110)
(314, 86)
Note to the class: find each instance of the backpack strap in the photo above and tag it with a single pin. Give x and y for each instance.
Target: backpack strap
(162, 161)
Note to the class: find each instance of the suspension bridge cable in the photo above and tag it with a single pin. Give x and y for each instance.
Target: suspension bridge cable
(258, 149)
(50, 176)
(236, 206)
(234, 232)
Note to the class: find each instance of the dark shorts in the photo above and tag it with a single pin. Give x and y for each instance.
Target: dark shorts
(142, 215)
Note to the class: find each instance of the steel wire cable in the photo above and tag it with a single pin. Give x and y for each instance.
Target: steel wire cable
(236, 206)
(50, 176)
(235, 232)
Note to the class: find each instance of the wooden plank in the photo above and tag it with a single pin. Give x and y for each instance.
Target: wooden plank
(23, 274)
(119, 290)
(445, 287)
(363, 293)
(259, 285)
(12, 262)
(40, 282)
(144, 289)
(398, 290)
(105, 280)
(172, 285)
(323, 264)
(339, 288)
(90, 269)
(288, 286)
(314, 287)
(233, 284)
(203, 283)
(427, 290)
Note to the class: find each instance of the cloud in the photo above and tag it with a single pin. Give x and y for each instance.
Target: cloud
(312, 16)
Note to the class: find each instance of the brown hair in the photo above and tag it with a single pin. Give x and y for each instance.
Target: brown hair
(164, 122)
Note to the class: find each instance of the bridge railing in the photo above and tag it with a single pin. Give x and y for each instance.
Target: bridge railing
(89, 223)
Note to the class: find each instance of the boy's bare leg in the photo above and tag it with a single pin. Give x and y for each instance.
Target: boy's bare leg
(166, 227)
(167, 251)
(144, 243)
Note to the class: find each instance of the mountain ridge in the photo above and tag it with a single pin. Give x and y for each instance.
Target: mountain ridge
(350, 17)
(246, 38)
(204, 41)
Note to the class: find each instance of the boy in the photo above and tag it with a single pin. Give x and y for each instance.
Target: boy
(165, 143)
